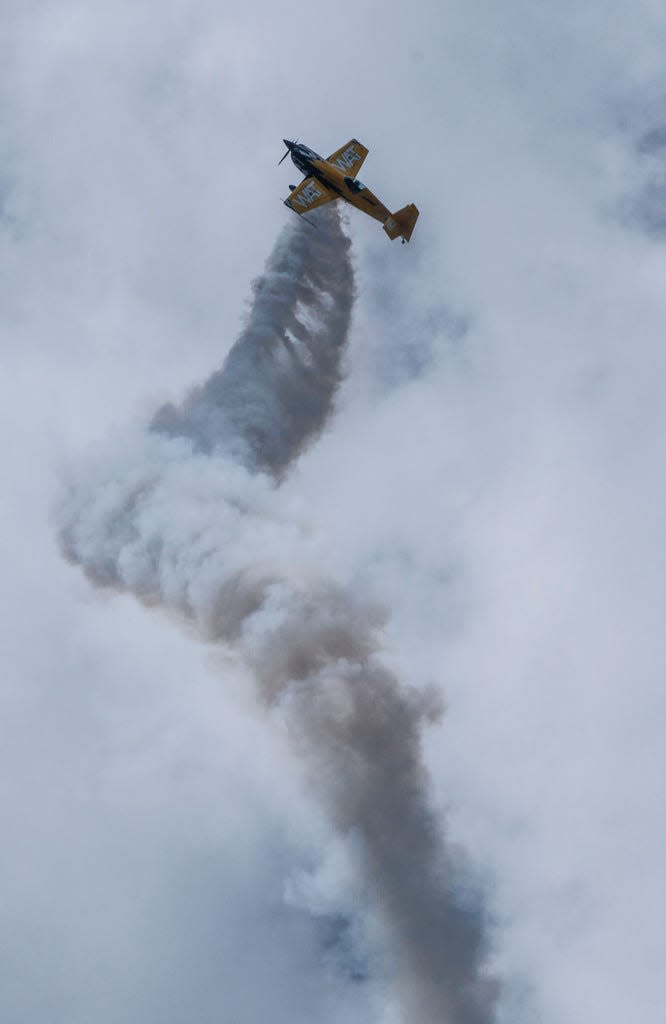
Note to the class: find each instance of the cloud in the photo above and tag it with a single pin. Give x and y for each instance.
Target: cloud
(503, 491)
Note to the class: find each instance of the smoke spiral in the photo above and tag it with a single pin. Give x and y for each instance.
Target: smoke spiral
(185, 518)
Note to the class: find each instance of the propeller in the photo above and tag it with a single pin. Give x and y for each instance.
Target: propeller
(289, 146)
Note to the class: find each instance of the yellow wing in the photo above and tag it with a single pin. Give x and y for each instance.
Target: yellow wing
(349, 157)
(309, 195)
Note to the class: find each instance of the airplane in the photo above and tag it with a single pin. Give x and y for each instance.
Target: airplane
(327, 180)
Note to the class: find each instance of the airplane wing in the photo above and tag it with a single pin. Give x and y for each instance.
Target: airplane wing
(349, 157)
(309, 195)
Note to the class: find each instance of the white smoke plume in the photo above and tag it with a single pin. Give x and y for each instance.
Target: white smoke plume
(277, 384)
(186, 517)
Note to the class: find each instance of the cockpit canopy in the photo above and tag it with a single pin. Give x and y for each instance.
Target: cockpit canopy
(354, 185)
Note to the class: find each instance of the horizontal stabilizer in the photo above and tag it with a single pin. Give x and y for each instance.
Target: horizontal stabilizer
(401, 224)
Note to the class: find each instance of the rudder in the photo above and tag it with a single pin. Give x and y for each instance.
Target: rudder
(401, 224)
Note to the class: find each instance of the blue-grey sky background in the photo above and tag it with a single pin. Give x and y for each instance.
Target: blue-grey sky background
(493, 472)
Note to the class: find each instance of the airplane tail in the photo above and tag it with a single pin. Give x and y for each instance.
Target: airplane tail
(402, 223)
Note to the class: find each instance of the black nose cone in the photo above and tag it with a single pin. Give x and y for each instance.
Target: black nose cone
(288, 144)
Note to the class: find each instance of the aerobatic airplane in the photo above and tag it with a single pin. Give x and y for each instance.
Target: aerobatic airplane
(326, 180)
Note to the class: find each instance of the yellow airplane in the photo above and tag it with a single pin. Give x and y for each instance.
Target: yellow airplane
(326, 180)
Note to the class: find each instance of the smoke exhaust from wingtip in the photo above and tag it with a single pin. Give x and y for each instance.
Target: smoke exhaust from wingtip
(185, 518)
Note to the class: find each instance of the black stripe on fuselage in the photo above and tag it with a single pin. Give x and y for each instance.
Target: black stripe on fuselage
(306, 168)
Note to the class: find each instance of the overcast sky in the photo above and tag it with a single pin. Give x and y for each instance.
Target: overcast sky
(493, 473)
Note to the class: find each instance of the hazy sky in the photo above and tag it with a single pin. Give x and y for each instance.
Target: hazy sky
(493, 473)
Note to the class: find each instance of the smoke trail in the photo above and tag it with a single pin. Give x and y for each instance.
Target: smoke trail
(277, 385)
(189, 519)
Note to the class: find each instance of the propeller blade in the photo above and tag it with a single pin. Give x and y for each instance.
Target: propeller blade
(290, 146)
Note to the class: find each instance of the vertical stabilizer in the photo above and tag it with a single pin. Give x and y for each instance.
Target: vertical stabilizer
(401, 224)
